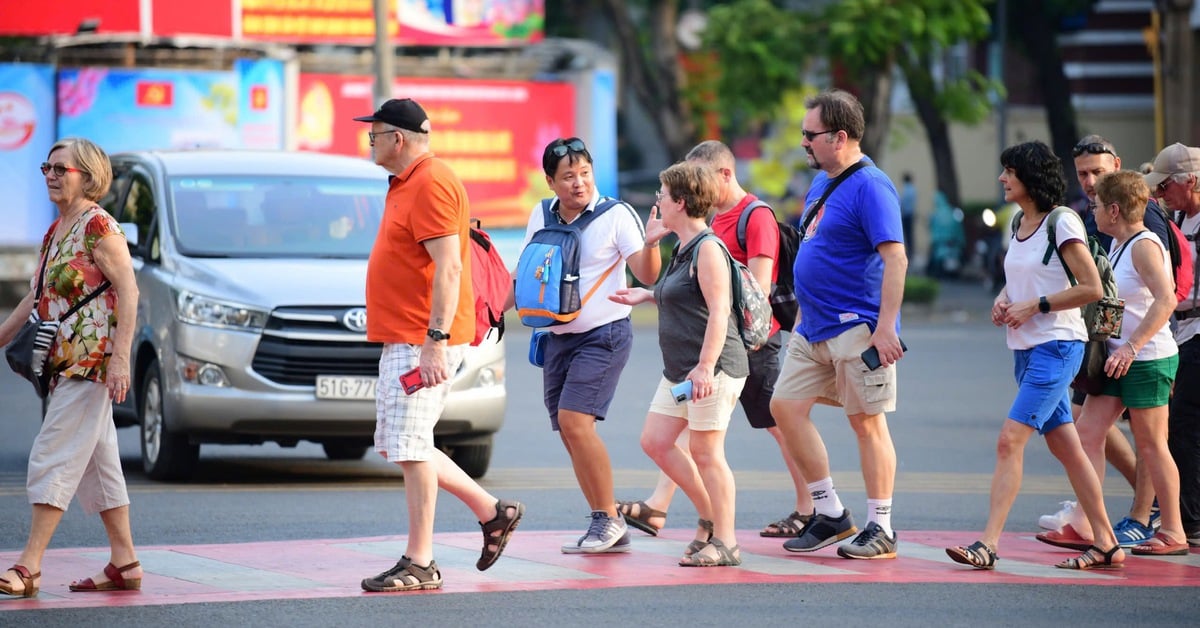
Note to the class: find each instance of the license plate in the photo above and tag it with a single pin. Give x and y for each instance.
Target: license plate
(342, 387)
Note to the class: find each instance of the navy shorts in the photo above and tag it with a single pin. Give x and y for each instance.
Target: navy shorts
(582, 370)
(760, 385)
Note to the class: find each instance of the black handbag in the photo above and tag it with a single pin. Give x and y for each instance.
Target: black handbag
(30, 349)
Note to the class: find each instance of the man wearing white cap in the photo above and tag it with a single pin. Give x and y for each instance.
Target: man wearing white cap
(1175, 180)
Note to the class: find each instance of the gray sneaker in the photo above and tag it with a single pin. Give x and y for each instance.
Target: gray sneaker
(870, 544)
(822, 530)
(606, 535)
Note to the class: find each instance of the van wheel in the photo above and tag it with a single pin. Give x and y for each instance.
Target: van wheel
(166, 455)
(474, 458)
(344, 450)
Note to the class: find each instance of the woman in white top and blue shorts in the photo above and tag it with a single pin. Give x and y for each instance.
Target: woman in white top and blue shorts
(1141, 364)
(1040, 310)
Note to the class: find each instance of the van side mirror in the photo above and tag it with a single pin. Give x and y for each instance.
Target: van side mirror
(131, 233)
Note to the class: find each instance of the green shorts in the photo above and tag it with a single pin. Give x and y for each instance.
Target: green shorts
(1146, 385)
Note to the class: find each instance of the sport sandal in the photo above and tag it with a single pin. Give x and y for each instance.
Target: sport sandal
(696, 545)
(116, 580)
(497, 531)
(641, 520)
(405, 576)
(726, 556)
(26, 578)
(787, 527)
(977, 555)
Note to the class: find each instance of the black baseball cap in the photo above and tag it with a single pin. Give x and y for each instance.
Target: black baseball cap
(402, 113)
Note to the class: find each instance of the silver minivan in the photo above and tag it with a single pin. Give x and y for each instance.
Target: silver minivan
(251, 319)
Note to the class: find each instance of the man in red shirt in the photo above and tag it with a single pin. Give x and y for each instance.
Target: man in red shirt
(759, 255)
(421, 307)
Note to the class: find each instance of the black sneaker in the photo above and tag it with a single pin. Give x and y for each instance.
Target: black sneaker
(870, 544)
(820, 531)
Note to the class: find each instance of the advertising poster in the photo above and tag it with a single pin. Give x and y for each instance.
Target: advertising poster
(491, 132)
(138, 109)
(26, 135)
(260, 103)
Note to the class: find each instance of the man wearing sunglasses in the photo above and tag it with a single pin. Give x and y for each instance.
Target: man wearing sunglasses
(584, 358)
(420, 305)
(1175, 179)
(1095, 157)
(849, 277)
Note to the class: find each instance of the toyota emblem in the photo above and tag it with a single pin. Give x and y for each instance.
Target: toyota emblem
(356, 319)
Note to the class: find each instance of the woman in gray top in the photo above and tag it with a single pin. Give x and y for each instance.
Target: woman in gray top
(701, 348)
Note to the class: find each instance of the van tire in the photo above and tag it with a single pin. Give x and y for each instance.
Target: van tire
(166, 456)
(474, 458)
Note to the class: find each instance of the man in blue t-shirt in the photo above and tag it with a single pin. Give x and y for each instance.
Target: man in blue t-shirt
(849, 282)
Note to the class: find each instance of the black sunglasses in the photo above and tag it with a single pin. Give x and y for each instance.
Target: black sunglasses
(575, 146)
(1094, 148)
(812, 135)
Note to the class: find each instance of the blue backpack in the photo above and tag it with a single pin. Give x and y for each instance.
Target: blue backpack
(547, 289)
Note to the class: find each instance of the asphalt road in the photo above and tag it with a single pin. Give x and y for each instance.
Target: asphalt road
(955, 386)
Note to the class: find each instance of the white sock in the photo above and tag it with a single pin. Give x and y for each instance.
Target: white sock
(880, 511)
(825, 499)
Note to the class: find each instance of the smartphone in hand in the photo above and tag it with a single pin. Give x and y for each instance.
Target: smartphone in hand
(411, 381)
(870, 357)
(682, 391)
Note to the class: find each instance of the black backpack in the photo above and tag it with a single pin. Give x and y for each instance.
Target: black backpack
(783, 293)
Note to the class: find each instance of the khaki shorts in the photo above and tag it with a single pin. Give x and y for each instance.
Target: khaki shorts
(833, 373)
(709, 414)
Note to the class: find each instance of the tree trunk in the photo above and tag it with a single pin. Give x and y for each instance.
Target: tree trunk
(655, 74)
(923, 91)
(1041, 47)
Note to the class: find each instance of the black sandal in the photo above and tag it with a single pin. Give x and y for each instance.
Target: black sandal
(977, 555)
(788, 527)
(405, 576)
(641, 520)
(497, 531)
(1088, 560)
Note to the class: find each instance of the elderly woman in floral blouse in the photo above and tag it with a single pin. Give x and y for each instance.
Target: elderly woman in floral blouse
(84, 258)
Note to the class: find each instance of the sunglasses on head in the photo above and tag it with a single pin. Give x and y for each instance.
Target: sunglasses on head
(575, 146)
(59, 169)
(1094, 148)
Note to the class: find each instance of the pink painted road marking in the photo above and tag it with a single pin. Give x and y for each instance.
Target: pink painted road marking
(330, 568)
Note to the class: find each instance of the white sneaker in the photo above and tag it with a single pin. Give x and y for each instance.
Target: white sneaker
(605, 535)
(1057, 520)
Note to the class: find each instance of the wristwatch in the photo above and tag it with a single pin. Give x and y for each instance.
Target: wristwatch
(437, 334)
(1043, 305)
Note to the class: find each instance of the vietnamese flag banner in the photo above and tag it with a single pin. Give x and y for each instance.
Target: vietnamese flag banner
(491, 132)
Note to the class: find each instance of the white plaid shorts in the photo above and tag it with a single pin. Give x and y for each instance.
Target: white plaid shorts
(404, 423)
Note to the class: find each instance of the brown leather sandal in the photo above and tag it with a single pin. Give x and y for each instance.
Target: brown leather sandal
(696, 545)
(726, 556)
(497, 531)
(642, 519)
(116, 580)
(405, 576)
(26, 578)
(787, 527)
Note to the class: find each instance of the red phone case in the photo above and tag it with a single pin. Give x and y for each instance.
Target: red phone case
(411, 381)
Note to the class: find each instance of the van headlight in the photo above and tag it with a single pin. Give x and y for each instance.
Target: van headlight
(200, 310)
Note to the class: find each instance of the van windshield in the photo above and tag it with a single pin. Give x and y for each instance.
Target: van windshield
(286, 216)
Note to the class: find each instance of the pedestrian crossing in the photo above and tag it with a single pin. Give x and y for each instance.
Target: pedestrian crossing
(333, 568)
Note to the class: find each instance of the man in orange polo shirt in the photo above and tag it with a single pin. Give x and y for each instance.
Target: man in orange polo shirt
(419, 305)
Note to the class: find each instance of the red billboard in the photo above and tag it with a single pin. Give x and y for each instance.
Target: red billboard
(410, 22)
(491, 132)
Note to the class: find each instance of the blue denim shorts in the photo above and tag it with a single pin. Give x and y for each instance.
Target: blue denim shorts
(1044, 375)
(581, 370)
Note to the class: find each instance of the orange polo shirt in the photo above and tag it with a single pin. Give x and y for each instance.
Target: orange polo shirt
(425, 201)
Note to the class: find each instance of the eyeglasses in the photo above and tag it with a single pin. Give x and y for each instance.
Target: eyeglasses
(59, 169)
(371, 135)
(1162, 186)
(812, 135)
(659, 196)
(1094, 148)
(575, 146)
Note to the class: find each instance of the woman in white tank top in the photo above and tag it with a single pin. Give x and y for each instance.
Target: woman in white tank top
(1141, 363)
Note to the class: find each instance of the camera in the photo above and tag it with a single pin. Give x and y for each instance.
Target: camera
(682, 391)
